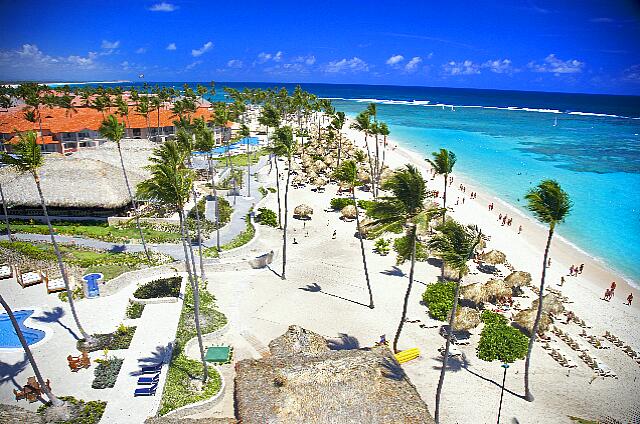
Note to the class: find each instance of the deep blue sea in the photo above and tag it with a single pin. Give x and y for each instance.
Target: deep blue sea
(507, 141)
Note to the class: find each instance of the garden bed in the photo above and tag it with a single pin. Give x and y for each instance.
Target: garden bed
(119, 339)
(89, 412)
(162, 287)
(106, 373)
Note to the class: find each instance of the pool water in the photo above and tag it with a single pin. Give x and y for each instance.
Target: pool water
(8, 336)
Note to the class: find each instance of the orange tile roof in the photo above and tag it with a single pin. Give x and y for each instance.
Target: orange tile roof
(59, 120)
(47, 140)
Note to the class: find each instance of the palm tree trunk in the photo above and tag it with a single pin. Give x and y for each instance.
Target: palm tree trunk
(248, 171)
(25, 346)
(65, 278)
(445, 360)
(444, 197)
(377, 168)
(384, 152)
(195, 289)
(6, 214)
(275, 158)
(408, 293)
(373, 187)
(134, 204)
(364, 258)
(534, 331)
(215, 205)
(199, 234)
(339, 147)
(286, 222)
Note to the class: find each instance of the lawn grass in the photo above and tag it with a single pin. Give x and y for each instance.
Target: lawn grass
(240, 240)
(241, 159)
(97, 230)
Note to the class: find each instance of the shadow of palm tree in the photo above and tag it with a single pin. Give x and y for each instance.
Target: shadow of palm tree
(495, 383)
(454, 363)
(393, 272)
(9, 372)
(161, 355)
(55, 315)
(343, 342)
(117, 248)
(274, 271)
(315, 288)
(391, 369)
(435, 262)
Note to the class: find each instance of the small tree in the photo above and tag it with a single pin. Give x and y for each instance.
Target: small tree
(502, 342)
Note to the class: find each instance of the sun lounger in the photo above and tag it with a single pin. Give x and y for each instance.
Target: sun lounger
(143, 381)
(154, 369)
(146, 391)
(407, 355)
(5, 272)
(30, 278)
(55, 285)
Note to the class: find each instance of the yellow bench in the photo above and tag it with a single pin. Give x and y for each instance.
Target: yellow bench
(407, 355)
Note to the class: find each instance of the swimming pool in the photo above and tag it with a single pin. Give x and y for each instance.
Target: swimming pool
(8, 336)
(251, 141)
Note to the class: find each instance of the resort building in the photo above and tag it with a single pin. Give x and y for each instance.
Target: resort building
(68, 130)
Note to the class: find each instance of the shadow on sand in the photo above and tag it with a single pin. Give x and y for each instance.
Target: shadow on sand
(55, 315)
(315, 288)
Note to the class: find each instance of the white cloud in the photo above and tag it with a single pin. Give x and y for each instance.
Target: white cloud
(557, 66)
(192, 65)
(430, 55)
(202, 50)
(412, 65)
(110, 45)
(395, 59)
(354, 64)
(163, 7)
(29, 56)
(141, 50)
(125, 65)
(632, 73)
(265, 57)
(171, 46)
(307, 60)
(499, 66)
(466, 67)
(235, 63)
(277, 57)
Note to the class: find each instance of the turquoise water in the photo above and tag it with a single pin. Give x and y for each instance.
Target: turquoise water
(8, 336)
(596, 160)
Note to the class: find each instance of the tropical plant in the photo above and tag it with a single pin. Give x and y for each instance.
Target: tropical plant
(363, 124)
(439, 297)
(205, 142)
(502, 342)
(6, 214)
(27, 158)
(338, 203)
(25, 346)
(381, 246)
(114, 131)
(402, 209)
(348, 173)
(489, 317)
(404, 250)
(337, 124)
(285, 145)
(267, 217)
(270, 118)
(442, 164)
(550, 204)
(170, 185)
(455, 245)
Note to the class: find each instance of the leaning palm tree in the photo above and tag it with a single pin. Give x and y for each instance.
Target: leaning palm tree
(170, 185)
(363, 124)
(550, 204)
(348, 173)
(25, 346)
(285, 145)
(442, 163)
(114, 131)
(455, 245)
(205, 142)
(27, 158)
(402, 209)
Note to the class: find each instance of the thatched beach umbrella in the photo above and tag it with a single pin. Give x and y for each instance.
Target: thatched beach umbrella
(518, 278)
(311, 175)
(364, 176)
(550, 304)
(474, 293)
(466, 319)
(349, 212)
(319, 165)
(525, 319)
(303, 211)
(496, 288)
(298, 180)
(364, 226)
(494, 257)
(320, 182)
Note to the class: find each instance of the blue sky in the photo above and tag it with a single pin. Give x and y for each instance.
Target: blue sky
(575, 46)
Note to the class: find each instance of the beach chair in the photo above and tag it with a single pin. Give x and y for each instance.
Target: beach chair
(6, 271)
(55, 285)
(30, 279)
(19, 394)
(146, 391)
(153, 369)
(143, 381)
(407, 355)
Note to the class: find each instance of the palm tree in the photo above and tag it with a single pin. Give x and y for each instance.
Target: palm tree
(455, 245)
(363, 124)
(143, 107)
(123, 110)
(6, 214)
(348, 173)
(27, 158)
(383, 131)
(25, 346)
(285, 145)
(337, 124)
(402, 210)
(205, 142)
(270, 117)
(114, 131)
(550, 204)
(375, 130)
(156, 104)
(170, 185)
(442, 163)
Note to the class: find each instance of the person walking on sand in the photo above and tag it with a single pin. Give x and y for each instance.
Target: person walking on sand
(613, 288)
(629, 299)
(571, 271)
(499, 217)
(562, 281)
(334, 234)
(520, 229)
(607, 295)
(581, 268)
(549, 263)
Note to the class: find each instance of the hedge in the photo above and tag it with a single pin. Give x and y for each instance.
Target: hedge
(82, 412)
(267, 217)
(338, 203)
(502, 342)
(490, 317)
(439, 299)
(163, 287)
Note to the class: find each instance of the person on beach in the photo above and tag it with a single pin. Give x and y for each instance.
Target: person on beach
(294, 241)
(549, 263)
(520, 229)
(607, 295)
(334, 234)
(581, 268)
(499, 217)
(562, 281)
(571, 271)
(629, 299)
(613, 288)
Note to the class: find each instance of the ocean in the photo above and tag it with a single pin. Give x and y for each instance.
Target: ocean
(507, 141)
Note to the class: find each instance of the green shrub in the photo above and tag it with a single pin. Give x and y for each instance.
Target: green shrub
(81, 412)
(365, 204)
(381, 246)
(272, 189)
(502, 342)
(403, 248)
(106, 373)
(119, 339)
(163, 287)
(77, 292)
(490, 317)
(134, 310)
(338, 203)
(439, 299)
(267, 217)
(263, 191)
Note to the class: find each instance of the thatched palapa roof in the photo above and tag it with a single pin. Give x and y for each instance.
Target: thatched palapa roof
(349, 212)
(518, 278)
(330, 386)
(494, 257)
(303, 210)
